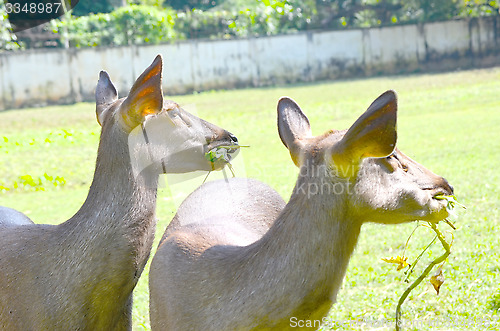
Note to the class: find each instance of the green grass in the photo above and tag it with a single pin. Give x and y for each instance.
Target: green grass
(448, 122)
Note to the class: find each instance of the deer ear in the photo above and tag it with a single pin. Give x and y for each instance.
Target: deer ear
(293, 126)
(105, 95)
(372, 135)
(146, 95)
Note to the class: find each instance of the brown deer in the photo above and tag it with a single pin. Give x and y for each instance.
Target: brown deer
(11, 217)
(80, 274)
(223, 264)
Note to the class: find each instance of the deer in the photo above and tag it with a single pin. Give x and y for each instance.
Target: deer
(80, 274)
(12, 217)
(247, 261)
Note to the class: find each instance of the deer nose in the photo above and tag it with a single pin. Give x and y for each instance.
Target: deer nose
(443, 186)
(447, 186)
(439, 186)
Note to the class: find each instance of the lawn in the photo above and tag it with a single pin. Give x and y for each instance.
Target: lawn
(448, 122)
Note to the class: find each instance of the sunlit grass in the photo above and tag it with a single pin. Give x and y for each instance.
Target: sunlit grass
(448, 122)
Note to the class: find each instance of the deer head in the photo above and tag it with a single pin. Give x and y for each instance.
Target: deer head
(383, 185)
(162, 137)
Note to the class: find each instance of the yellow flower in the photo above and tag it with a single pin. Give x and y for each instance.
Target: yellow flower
(400, 261)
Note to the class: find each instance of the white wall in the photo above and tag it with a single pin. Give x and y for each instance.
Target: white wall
(61, 76)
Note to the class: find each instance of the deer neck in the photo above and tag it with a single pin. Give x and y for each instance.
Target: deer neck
(119, 212)
(308, 248)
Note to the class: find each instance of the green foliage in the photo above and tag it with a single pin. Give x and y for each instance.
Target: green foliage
(368, 13)
(271, 17)
(134, 24)
(187, 5)
(30, 151)
(151, 3)
(203, 24)
(86, 7)
(476, 8)
(138, 24)
(263, 18)
(39, 183)
(429, 10)
(146, 21)
(141, 24)
(8, 40)
(494, 302)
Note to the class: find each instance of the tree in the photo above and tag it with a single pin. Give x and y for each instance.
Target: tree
(86, 7)
(8, 40)
(475, 8)
(429, 10)
(354, 13)
(133, 24)
(192, 4)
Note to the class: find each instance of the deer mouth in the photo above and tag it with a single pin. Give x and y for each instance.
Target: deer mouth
(438, 207)
(439, 193)
(221, 153)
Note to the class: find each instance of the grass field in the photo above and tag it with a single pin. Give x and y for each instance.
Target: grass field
(448, 122)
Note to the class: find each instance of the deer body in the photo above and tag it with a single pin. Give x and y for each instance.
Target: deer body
(246, 199)
(254, 281)
(10, 217)
(80, 274)
(206, 275)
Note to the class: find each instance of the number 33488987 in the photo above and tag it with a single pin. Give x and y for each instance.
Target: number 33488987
(32, 8)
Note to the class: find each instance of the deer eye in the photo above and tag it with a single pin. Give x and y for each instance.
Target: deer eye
(178, 117)
(400, 164)
(389, 163)
(174, 112)
(185, 118)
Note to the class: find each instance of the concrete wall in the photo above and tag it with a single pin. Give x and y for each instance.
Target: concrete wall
(61, 76)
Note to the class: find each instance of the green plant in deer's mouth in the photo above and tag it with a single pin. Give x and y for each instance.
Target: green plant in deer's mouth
(220, 153)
